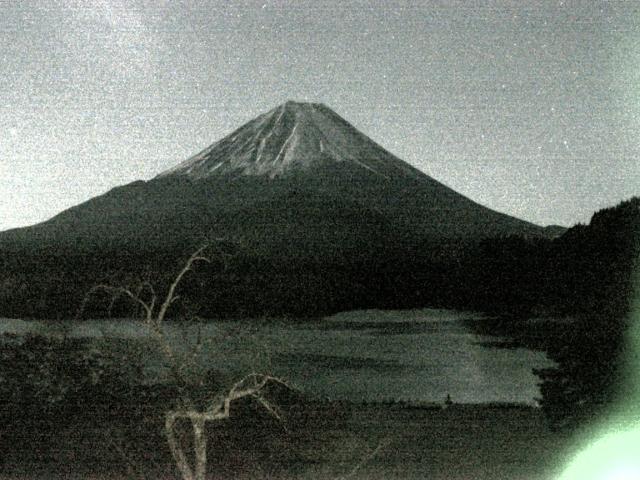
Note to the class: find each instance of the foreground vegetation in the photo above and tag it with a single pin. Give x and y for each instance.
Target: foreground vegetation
(123, 437)
(578, 272)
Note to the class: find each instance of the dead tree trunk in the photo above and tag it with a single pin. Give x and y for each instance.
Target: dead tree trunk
(249, 386)
(145, 297)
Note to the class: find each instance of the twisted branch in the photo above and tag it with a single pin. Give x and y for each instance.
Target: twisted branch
(249, 386)
(220, 408)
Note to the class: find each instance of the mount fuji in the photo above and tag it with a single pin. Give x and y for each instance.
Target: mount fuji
(300, 192)
(295, 168)
(293, 137)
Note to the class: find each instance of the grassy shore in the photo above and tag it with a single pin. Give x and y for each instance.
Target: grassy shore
(461, 442)
(318, 440)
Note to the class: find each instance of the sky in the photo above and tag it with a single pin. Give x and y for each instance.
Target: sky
(531, 108)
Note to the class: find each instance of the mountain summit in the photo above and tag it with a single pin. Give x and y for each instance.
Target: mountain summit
(320, 218)
(291, 138)
(296, 180)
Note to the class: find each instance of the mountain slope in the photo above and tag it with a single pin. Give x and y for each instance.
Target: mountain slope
(292, 137)
(300, 158)
(322, 219)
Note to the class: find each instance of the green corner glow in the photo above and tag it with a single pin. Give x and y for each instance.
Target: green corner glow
(613, 453)
(615, 456)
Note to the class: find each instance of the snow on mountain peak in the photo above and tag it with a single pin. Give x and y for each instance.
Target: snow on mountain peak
(291, 137)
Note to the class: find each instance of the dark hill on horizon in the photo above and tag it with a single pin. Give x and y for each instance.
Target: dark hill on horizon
(298, 191)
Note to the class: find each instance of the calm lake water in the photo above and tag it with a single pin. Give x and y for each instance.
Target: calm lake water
(415, 355)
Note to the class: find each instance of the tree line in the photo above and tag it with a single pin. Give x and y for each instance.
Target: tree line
(587, 279)
(586, 274)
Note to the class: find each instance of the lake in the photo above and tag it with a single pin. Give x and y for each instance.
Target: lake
(371, 355)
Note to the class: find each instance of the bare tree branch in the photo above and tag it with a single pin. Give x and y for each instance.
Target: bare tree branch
(268, 406)
(170, 298)
(145, 297)
(365, 460)
(117, 292)
(176, 451)
(249, 386)
(131, 467)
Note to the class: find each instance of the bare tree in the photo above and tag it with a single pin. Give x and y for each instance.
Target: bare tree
(154, 310)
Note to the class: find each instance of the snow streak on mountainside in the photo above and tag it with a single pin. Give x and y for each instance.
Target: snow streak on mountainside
(292, 137)
(295, 181)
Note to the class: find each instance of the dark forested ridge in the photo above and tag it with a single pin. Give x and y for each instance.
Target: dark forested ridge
(585, 275)
(597, 280)
(587, 269)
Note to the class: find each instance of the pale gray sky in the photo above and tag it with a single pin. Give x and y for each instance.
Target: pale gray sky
(529, 107)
